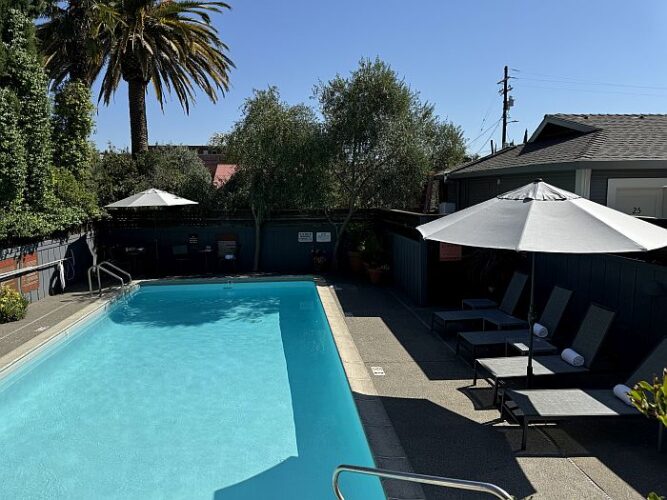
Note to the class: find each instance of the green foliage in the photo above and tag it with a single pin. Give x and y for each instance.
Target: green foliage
(73, 193)
(116, 176)
(384, 140)
(72, 126)
(651, 399)
(13, 164)
(374, 250)
(36, 198)
(446, 144)
(177, 170)
(279, 152)
(13, 305)
(26, 78)
(172, 45)
(174, 169)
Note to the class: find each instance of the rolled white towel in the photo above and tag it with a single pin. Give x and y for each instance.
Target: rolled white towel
(61, 275)
(621, 392)
(540, 331)
(572, 357)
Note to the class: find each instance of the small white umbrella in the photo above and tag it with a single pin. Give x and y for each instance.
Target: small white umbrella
(540, 217)
(151, 198)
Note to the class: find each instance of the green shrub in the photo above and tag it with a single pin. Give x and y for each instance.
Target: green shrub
(73, 124)
(173, 169)
(13, 305)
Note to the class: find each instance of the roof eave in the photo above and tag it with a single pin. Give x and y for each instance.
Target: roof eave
(639, 164)
(554, 120)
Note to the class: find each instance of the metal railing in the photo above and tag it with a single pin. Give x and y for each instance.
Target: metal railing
(459, 484)
(103, 267)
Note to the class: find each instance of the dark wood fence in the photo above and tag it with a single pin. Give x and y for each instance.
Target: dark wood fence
(636, 290)
(76, 248)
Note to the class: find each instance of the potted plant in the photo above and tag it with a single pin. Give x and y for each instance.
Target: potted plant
(320, 260)
(375, 259)
(356, 247)
(651, 400)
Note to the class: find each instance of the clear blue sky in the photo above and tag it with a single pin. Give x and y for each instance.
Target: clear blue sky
(452, 52)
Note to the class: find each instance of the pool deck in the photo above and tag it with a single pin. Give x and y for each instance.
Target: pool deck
(449, 428)
(45, 319)
(423, 414)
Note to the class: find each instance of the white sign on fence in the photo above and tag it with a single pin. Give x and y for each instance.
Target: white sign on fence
(305, 236)
(323, 237)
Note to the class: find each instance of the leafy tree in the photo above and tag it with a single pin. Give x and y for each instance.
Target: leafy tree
(278, 149)
(171, 44)
(447, 145)
(174, 169)
(72, 126)
(25, 77)
(651, 400)
(72, 39)
(381, 139)
(116, 176)
(177, 170)
(13, 164)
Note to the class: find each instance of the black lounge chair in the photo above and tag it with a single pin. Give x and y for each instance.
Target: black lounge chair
(500, 318)
(587, 342)
(550, 318)
(547, 405)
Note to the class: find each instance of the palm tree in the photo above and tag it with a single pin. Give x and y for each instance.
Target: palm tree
(170, 44)
(71, 40)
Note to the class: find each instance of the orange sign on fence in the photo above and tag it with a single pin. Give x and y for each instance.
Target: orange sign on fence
(449, 252)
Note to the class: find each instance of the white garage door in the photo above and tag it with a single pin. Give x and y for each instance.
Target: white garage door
(644, 197)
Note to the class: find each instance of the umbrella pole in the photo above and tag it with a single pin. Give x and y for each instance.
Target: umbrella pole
(531, 321)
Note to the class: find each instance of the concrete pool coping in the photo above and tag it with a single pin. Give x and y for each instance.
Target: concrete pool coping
(382, 439)
(380, 434)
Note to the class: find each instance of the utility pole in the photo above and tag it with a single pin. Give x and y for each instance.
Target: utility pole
(508, 102)
(505, 107)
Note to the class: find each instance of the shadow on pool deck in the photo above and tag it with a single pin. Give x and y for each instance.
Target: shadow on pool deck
(449, 428)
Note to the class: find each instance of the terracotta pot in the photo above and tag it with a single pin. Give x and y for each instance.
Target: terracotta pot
(356, 262)
(375, 275)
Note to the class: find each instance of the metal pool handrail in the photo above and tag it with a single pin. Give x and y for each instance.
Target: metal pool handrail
(459, 484)
(96, 268)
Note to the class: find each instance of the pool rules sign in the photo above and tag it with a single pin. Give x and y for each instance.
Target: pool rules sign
(305, 236)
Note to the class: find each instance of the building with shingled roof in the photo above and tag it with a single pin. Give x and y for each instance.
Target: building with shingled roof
(616, 160)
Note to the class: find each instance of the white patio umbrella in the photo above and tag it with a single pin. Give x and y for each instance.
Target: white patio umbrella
(151, 198)
(540, 217)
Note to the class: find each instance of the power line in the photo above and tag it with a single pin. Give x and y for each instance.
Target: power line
(471, 142)
(580, 81)
(486, 114)
(489, 136)
(592, 91)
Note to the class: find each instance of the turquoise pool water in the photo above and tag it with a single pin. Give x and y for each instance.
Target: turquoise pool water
(190, 392)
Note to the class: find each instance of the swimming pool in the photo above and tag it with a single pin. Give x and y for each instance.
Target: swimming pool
(202, 391)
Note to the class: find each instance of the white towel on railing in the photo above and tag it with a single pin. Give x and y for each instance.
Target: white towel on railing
(540, 331)
(61, 275)
(621, 392)
(572, 357)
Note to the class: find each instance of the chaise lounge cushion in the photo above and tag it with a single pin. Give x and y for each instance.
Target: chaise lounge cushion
(568, 403)
(516, 366)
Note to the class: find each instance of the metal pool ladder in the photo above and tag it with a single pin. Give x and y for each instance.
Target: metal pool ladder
(108, 268)
(459, 484)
